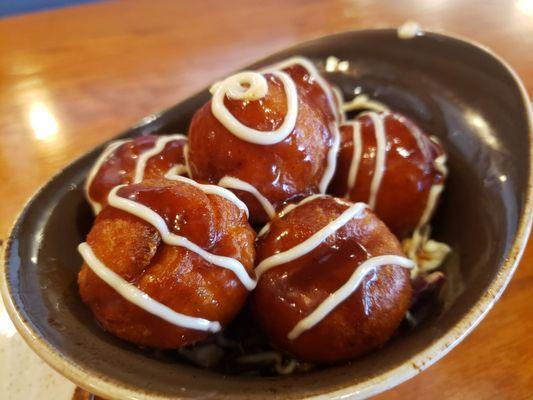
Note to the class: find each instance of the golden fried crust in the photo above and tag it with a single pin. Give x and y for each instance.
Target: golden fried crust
(289, 292)
(174, 276)
(409, 172)
(282, 171)
(120, 166)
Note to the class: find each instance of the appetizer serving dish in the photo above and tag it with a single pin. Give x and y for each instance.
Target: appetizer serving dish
(465, 96)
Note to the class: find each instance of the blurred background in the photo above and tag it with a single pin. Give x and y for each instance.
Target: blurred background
(73, 73)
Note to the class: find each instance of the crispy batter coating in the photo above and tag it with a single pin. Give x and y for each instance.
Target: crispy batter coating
(174, 276)
(288, 293)
(409, 171)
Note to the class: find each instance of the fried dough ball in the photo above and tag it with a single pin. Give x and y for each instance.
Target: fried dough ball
(291, 168)
(174, 276)
(414, 165)
(289, 292)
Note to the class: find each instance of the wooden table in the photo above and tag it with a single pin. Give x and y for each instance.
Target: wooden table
(74, 77)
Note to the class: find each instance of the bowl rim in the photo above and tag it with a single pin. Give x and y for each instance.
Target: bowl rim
(419, 362)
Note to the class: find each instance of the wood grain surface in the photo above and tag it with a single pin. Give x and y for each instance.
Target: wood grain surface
(73, 77)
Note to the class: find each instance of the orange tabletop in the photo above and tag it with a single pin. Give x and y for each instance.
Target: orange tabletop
(73, 77)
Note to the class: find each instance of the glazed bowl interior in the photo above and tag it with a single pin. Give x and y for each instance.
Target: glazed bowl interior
(453, 89)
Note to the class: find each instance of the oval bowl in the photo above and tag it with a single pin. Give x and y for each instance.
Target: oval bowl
(454, 89)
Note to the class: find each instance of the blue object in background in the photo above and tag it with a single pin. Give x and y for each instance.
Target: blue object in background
(13, 7)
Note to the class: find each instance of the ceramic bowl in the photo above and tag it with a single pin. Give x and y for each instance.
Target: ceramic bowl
(454, 89)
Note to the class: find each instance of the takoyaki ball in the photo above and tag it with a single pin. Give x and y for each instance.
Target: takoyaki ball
(294, 167)
(289, 292)
(412, 168)
(175, 276)
(122, 162)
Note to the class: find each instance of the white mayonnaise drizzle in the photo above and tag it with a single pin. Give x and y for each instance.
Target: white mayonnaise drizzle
(434, 192)
(145, 213)
(381, 154)
(187, 163)
(233, 88)
(440, 162)
(136, 296)
(409, 30)
(331, 160)
(208, 189)
(363, 102)
(143, 158)
(108, 151)
(264, 230)
(346, 290)
(291, 207)
(356, 157)
(231, 182)
(179, 169)
(287, 210)
(311, 242)
(340, 101)
(315, 75)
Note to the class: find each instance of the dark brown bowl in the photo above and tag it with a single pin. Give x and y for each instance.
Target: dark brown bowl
(456, 90)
